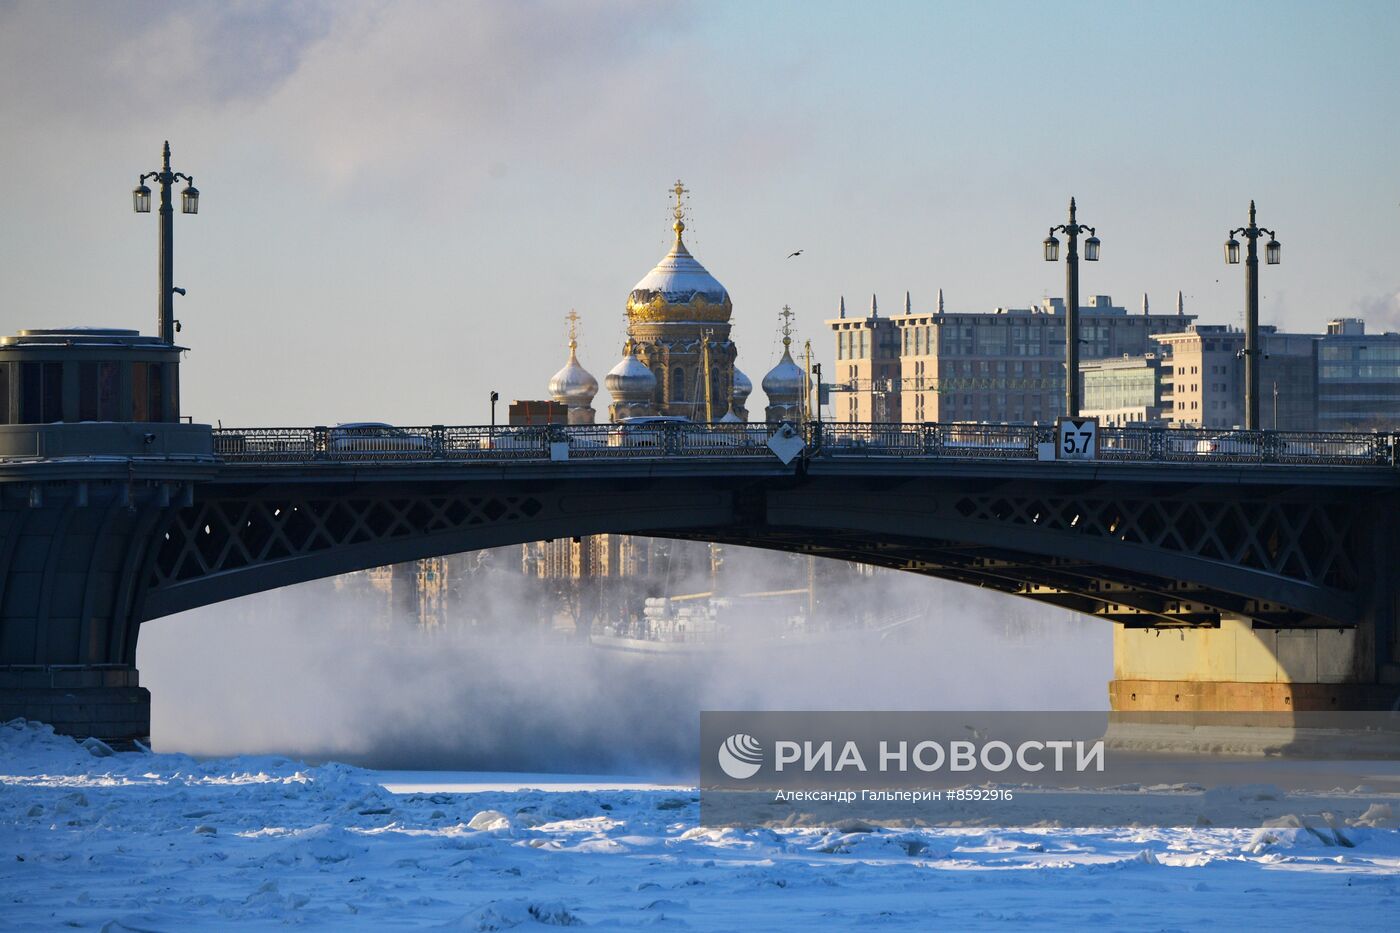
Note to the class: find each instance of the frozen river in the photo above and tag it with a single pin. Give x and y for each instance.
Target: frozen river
(157, 842)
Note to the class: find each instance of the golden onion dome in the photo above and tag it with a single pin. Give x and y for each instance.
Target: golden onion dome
(679, 288)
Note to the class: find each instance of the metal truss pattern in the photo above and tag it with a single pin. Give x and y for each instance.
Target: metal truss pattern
(222, 535)
(1138, 554)
(1307, 541)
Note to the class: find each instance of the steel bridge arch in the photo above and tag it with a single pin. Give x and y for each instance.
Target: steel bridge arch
(1139, 551)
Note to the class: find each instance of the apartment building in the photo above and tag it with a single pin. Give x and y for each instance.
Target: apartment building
(1205, 369)
(1004, 365)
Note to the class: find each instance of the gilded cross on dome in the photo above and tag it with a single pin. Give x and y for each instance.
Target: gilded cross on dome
(786, 315)
(680, 191)
(573, 319)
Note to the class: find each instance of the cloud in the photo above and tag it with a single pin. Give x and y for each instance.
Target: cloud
(1382, 312)
(101, 65)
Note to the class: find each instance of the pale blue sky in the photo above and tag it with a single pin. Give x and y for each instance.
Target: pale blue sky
(401, 201)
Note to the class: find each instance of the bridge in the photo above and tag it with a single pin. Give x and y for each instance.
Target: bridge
(1243, 571)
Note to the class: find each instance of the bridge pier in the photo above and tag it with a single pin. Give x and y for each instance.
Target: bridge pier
(106, 702)
(75, 566)
(1243, 668)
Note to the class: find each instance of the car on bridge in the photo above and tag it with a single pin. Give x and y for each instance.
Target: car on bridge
(664, 432)
(1283, 446)
(374, 437)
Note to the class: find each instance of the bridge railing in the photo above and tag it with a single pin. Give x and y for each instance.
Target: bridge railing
(976, 441)
(505, 443)
(1195, 445)
(662, 440)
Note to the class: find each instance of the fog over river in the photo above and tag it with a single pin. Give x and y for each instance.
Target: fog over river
(309, 671)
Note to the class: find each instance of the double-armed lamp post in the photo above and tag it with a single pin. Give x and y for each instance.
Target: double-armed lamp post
(1072, 230)
(189, 204)
(1252, 233)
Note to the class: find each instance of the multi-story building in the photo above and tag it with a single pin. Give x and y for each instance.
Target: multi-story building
(1006, 365)
(1129, 390)
(589, 556)
(1358, 378)
(1205, 365)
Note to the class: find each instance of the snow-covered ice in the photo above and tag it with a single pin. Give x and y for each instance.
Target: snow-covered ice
(162, 842)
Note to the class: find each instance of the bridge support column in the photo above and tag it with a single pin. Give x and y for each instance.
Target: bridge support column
(1239, 668)
(75, 562)
(105, 702)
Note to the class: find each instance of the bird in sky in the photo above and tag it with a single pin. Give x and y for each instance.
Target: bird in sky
(798, 253)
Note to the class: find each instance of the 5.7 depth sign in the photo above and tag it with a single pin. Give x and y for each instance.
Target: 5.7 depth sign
(1077, 439)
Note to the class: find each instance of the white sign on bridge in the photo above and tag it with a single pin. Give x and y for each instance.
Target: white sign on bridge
(1077, 439)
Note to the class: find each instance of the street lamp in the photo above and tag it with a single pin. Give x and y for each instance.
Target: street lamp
(1071, 230)
(189, 204)
(1252, 233)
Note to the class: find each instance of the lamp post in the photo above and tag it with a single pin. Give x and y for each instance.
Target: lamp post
(1251, 307)
(1071, 230)
(189, 204)
(495, 397)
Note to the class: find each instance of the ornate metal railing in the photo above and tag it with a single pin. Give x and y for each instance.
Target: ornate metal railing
(664, 440)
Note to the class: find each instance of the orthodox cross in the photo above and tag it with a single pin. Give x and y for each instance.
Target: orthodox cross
(680, 191)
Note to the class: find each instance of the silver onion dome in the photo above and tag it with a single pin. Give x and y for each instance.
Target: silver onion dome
(573, 385)
(630, 380)
(784, 382)
(742, 387)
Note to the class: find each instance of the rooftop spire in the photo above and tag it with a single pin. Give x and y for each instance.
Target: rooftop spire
(1144, 304)
(940, 301)
(680, 191)
(908, 305)
(843, 306)
(874, 306)
(1180, 305)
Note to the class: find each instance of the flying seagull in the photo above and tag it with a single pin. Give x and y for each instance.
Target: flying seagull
(798, 253)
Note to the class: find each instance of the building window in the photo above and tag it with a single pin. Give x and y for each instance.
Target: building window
(145, 391)
(98, 387)
(678, 384)
(41, 393)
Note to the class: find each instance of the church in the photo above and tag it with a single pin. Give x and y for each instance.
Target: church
(678, 360)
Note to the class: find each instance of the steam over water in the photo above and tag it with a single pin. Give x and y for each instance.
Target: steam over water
(309, 671)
